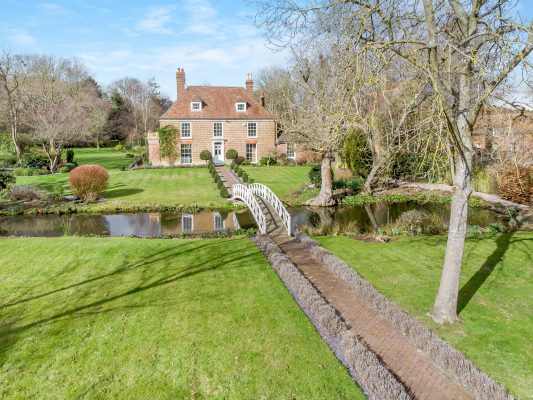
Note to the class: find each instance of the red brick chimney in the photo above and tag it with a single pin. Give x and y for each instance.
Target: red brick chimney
(250, 84)
(180, 82)
(262, 97)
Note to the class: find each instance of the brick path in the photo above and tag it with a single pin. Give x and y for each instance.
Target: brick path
(228, 177)
(413, 368)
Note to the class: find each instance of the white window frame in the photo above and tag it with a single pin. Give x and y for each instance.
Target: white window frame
(240, 103)
(181, 152)
(218, 216)
(221, 130)
(248, 129)
(193, 103)
(293, 157)
(187, 216)
(246, 152)
(181, 130)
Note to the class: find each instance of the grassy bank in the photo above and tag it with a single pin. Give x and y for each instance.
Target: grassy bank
(281, 179)
(129, 191)
(136, 319)
(496, 308)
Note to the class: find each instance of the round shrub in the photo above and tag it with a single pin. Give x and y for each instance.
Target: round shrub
(6, 179)
(244, 177)
(224, 193)
(118, 147)
(240, 173)
(239, 160)
(220, 185)
(88, 182)
(23, 171)
(231, 154)
(205, 155)
(412, 221)
(67, 167)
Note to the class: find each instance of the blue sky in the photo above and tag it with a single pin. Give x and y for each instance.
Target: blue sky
(215, 41)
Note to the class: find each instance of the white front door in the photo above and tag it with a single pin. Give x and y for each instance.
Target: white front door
(218, 152)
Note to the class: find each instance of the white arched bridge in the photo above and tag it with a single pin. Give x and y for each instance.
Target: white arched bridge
(267, 209)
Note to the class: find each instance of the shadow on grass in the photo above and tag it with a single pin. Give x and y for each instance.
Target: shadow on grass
(114, 193)
(150, 279)
(469, 289)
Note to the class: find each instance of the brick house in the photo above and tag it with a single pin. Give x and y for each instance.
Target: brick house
(217, 119)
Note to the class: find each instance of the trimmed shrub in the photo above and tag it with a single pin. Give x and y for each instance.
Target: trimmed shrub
(6, 180)
(232, 165)
(88, 182)
(239, 160)
(220, 185)
(23, 171)
(516, 184)
(224, 193)
(67, 167)
(244, 177)
(240, 173)
(35, 161)
(118, 147)
(205, 155)
(70, 156)
(26, 193)
(232, 154)
(267, 161)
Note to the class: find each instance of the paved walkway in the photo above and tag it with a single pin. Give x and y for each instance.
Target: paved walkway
(413, 368)
(228, 177)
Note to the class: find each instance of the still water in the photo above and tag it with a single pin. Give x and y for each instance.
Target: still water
(366, 218)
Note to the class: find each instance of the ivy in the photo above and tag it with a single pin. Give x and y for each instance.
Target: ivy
(168, 140)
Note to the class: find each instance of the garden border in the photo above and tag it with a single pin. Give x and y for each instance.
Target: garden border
(365, 367)
(439, 351)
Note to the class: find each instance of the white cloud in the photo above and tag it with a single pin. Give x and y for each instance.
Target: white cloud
(21, 37)
(202, 17)
(156, 19)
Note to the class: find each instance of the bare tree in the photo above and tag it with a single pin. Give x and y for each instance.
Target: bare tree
(61, 106)
(466, 48)
(13, 92)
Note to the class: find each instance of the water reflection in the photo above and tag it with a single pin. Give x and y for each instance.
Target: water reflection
(374, 216)
(140, 224)
(367, 218)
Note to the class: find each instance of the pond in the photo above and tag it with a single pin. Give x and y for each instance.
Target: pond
(366, 218)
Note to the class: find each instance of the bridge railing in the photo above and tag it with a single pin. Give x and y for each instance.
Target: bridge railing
(264, 191)
(245, 194)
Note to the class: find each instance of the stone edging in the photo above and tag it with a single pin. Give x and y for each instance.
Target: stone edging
(439, 351)
(364, 366)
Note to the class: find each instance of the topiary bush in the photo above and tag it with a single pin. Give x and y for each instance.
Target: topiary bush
(224, 193)
(232, 154)
(88, 182)
(239, 160)
(244, 177)
(70, 156)
(206, 155)
(240, 173)
(6, 180)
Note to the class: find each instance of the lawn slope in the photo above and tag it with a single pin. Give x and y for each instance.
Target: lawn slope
(495, 302)
(168, 319)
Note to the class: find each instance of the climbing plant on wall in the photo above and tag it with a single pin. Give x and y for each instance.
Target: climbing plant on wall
(168, 141)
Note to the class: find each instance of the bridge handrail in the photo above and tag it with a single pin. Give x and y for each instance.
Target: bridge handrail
(264, 191)
(242, 192)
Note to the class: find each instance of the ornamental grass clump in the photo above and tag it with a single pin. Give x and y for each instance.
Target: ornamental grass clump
(88, 182)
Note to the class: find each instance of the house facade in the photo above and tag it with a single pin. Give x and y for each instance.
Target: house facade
(217, 118)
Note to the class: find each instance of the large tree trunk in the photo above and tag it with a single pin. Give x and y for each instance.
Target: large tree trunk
(15, 141)
(325, 197)
(445, 308)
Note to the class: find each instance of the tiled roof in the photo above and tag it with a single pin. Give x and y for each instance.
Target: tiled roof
(218, 103)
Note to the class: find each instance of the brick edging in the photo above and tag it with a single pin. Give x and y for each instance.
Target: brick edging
(376, 380)
(439, 351)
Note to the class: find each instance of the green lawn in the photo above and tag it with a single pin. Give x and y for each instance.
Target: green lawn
(155, 319)
(131, 189)
(495, 301)
(282, 180)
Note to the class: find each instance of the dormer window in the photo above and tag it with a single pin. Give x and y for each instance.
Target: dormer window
(240, 106)
(196, 106)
